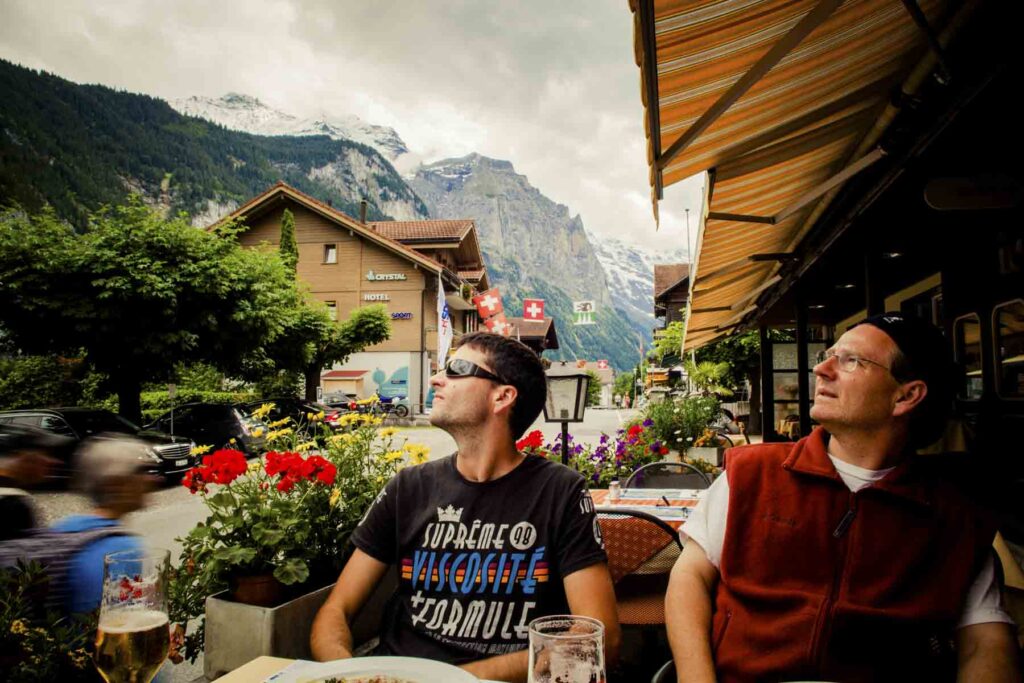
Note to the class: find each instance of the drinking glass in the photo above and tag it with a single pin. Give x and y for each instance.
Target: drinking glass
(566, 649)
(134, 631)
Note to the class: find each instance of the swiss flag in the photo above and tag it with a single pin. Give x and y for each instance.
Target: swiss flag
(489, 303)
(498, 324)
(533, 309)
(602, 365)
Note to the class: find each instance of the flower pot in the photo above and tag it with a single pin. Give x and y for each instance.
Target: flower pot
(711, 454)
(262, 590)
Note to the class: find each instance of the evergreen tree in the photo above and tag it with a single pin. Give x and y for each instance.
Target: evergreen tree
(289, 248)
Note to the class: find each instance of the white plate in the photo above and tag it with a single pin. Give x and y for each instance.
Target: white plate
(413, 669)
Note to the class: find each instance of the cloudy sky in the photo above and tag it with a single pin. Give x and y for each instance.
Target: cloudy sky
(550, 85)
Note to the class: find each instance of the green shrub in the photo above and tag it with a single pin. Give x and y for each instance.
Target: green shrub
(681, 421)
(156, 403)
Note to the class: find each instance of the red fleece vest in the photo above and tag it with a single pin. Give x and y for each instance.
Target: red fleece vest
(821, 583)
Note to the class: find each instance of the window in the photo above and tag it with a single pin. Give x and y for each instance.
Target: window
(55, 425)
(330, 253)
(967, 349)
(1009, 332)
(332, 309)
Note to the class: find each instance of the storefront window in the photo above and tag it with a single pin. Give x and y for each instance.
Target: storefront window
(1009, 331)
(967, 346)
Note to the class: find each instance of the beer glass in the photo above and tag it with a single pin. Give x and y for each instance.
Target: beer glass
(134, 631)
(566, 649)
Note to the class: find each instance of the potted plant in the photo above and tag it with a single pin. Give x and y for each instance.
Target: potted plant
(276, 536)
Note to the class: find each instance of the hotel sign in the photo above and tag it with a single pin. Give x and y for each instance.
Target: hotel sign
(381, 277)
(376, 297)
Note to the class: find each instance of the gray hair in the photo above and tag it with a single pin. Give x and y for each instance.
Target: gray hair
(106, 457)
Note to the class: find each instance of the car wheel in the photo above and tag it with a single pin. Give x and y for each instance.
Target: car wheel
(401, 411)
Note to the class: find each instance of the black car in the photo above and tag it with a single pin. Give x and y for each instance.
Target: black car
(298, 410)
(168, 455)
(217, 425)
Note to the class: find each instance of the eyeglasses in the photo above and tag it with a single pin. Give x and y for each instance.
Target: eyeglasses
(460, 367)
(847, 362)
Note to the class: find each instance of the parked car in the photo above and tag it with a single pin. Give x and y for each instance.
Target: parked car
(219, 425)
(298, 410)
(341, 400)
(168, 455)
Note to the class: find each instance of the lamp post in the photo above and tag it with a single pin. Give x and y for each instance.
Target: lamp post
(567, 399)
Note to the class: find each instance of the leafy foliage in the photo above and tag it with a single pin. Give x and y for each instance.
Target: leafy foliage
(668, 347)
(709, 377)
(593, 389)
(680, 422)
(288, 247)
(138, 293)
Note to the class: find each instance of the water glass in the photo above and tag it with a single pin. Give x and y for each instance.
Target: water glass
(566, 649)
(134, 631)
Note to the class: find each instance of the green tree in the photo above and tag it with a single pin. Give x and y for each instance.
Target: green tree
(668, 347)
(138, 294)
(593, 388)
(624, 383)
(708, 377)
(288, 247)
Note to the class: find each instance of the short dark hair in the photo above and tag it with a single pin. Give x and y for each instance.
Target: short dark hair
(921, 354)
(518, 365)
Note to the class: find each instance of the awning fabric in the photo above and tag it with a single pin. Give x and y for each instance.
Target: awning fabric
(796, 127)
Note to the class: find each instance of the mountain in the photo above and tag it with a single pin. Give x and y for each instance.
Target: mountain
(77, 147)
(630, 272)
(534, 247)
(246, 113)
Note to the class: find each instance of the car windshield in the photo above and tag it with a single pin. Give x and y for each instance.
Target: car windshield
(89, 423)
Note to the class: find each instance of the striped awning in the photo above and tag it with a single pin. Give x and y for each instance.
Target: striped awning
(781, 101)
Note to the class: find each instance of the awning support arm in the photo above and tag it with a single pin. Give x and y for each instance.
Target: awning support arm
(778, 51)
(933, 41)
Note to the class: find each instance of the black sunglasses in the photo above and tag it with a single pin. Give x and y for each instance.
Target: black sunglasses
(460, 367)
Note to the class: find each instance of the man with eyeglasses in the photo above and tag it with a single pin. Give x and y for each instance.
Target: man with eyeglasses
(846, 556)
(483, 541)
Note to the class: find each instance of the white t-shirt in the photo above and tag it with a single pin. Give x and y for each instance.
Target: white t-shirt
(706, 527)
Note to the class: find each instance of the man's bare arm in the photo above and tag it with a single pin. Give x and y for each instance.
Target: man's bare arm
(987, 652)
(589, 593)
(688, 602)
(331, 637)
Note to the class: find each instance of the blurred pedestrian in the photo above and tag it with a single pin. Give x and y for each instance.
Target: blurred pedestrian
(25, 462)
(112, 473)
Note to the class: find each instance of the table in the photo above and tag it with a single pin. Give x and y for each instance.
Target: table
(675, 513)
(261, 668)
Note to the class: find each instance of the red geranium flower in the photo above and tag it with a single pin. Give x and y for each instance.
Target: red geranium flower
(534, 439)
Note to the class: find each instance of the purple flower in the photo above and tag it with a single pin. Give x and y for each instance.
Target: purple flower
(648, 422)
(604, 439)
(655, 446)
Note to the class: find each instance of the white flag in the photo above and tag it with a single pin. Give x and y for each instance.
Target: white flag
(444, 326)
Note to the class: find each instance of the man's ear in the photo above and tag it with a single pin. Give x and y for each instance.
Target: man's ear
(909, 396)
(504, 398)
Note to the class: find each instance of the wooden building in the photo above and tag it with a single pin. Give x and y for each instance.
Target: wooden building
(346, 264)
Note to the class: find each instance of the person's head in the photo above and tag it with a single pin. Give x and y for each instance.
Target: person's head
(27, 455)
(509, 386)
(112, 472)
(890, 372)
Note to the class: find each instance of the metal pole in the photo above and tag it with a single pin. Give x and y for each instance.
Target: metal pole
(565, 444)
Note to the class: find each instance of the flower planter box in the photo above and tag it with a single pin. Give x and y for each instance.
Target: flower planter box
(711, 454)
(237, 633)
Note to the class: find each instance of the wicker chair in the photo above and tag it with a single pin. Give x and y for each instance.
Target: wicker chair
(641, 552)
(668, 475)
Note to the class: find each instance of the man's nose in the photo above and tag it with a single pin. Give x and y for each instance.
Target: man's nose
(825, 368)
(437, 379)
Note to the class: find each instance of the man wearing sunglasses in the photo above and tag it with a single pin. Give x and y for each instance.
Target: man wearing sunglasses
(846, 556)
(483, 541)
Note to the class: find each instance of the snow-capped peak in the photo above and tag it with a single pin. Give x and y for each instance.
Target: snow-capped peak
(248, 114)
(630, 272)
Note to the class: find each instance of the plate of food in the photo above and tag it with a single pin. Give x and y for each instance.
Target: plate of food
(373, 670)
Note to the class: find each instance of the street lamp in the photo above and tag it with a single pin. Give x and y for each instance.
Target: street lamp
(567, 399)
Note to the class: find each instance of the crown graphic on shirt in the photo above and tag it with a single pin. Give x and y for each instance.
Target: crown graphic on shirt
(449, 514)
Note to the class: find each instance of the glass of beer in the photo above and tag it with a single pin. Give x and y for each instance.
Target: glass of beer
(134, 632)
(566, 649)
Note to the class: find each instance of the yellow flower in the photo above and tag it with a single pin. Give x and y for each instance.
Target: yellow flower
(279, 433)
(263, 411)
(386, 432)
(392, 456)
(342, 438)
(279, 423)
(306, 446)
(201, 450)
(231, 441)
(418, 458)
(258, 432)
(255, 466)
(18, 627)
(335, 496)
(314, 417)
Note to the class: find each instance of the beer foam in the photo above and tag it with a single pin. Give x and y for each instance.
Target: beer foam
(132, 620)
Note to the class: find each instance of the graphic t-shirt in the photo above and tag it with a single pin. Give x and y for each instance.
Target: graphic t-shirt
(477, 561)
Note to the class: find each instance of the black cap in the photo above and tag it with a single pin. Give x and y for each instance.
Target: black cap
(925, 357)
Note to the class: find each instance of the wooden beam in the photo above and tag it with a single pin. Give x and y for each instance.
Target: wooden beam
(703, 286)
(739, 303)
(836, 180)
(650, 67)
(712, 309)
(740, 218)
(778, 51)
(774, 256)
